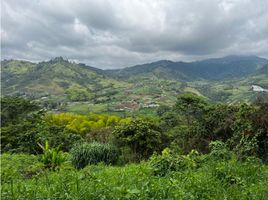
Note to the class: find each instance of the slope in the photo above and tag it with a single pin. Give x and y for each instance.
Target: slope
(56, 77)
(212, 69)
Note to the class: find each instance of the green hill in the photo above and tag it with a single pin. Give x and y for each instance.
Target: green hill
(56, 77)
(79, 86)
(212, 69)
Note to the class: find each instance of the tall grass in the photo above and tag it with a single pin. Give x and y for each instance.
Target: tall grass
(212, 180)
(93, 153)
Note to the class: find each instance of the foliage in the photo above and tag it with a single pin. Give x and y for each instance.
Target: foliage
(58, 136)
(243, 127)
(164, 163)
(219, 150)
(143, 137)
(170, 120)
(188, 132)
(250, 132)
(52, 158)
(79, 94)
(170, 162)
(126, 156)
(20, 120)
(212, 180)
(16, 166)
(260, 123)
(191, 105)
(161, 110)
(101, 135)
(234, 169)
(218, 121)
(236, 174)
(14, 109)
(24, 136)
(83, 124)
(191, 124)
(93, 153)
(19, 138)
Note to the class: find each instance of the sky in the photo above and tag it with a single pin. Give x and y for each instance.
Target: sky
(119, 33)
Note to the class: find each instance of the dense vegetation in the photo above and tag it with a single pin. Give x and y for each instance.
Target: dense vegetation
(195, 149)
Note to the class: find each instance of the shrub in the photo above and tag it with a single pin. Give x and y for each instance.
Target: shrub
(219, 150)
(165, 163)
(168, 162)
(93, 153)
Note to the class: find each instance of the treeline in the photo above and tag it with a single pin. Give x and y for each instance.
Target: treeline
(192, 123)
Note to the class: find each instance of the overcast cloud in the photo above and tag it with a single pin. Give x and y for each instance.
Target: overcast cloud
(119, 33)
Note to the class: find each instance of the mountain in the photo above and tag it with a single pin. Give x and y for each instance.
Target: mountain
(86, 88)
(263, 70)
(212, 69)
(56, 77)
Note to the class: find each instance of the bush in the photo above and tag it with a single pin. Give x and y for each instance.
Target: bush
(164, 164)
(219, 150)
(93, 153)
(168, 162)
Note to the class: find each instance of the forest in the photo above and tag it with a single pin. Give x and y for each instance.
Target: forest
(193, 149)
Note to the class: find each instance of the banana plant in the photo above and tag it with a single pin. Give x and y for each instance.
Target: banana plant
(52, 158)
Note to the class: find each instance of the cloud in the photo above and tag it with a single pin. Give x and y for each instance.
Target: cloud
(119, 33)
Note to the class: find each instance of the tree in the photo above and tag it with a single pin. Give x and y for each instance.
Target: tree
(191, 106)
(251, 131)
(162, 109)
(260, 123)
(218, 121)
(201, 122)
(23, 126)
(143, 137)
(19, 118)
(13, 108)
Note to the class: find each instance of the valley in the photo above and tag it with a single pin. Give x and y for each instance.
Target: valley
(67, 86)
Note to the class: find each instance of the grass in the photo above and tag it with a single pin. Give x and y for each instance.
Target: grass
(213, 180)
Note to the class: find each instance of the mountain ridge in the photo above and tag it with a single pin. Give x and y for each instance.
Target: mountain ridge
(212, 69)
(221, 79)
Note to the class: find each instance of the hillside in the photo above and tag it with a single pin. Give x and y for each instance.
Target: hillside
(79, 86)
(263, 70)
(56, 77)
(212, 69)
(226, 79)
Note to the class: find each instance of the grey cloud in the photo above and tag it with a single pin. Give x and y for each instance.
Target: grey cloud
(118, 33)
